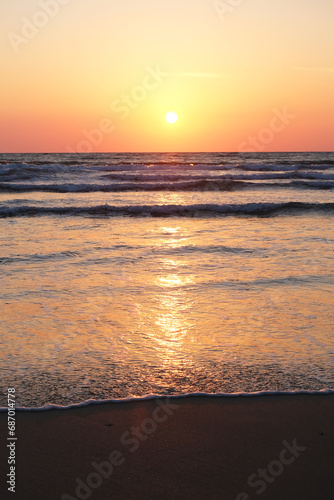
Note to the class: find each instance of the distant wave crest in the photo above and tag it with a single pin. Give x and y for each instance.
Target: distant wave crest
(208, 184)
(205, 210)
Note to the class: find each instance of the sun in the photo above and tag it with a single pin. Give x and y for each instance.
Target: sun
(171, 117)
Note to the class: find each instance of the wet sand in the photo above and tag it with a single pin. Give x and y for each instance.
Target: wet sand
(277, 447)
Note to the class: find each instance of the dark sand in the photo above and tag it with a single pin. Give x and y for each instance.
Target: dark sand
(204, 449)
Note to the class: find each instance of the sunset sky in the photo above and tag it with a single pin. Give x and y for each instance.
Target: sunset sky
(78, 75)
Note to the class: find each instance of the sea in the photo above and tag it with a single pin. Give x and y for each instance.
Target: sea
(130, 275)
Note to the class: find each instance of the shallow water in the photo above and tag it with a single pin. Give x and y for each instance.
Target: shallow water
(100, 307)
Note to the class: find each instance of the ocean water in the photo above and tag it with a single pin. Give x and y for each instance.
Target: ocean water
(125, 275)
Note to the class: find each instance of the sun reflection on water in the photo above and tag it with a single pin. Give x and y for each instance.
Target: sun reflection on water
(168, 320)
(173, 280)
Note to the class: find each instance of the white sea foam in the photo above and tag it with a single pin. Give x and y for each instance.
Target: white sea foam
(149, 397)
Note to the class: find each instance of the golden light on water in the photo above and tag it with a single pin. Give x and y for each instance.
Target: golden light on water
(184, 295)
(173, 280)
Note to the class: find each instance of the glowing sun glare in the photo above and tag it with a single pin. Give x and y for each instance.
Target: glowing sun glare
(171, 117)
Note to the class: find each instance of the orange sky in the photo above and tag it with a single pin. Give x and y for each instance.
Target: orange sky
(101, 76)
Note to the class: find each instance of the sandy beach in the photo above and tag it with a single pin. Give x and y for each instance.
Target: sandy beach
(270, 447)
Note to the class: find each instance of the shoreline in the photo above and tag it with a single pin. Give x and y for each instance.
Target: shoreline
(272, 447)
(149, 397)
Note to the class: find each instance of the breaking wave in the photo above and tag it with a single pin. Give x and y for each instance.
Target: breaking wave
(205, 210)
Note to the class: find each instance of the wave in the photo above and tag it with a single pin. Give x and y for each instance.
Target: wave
(174, 177)
(149, 397)
(205, 210)
(187, 249)
(288, 167)
(63, 166)
(313, 163)
(227, 184)
(201, 185)
(39, 257)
